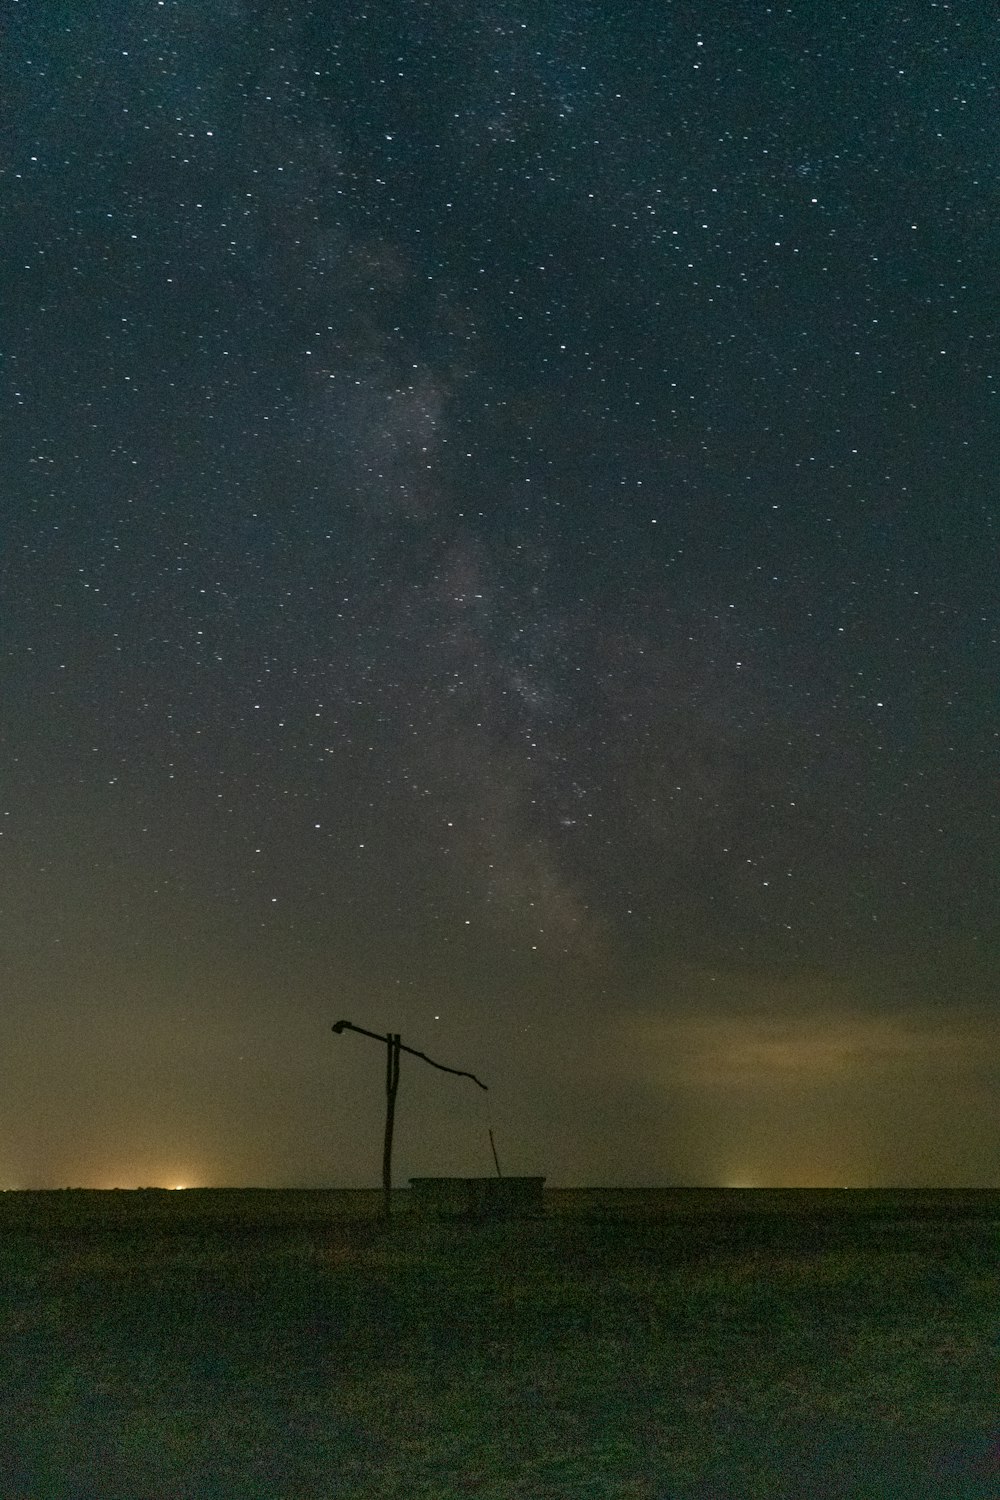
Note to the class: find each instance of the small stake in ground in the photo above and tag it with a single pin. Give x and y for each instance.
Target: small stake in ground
(393, 1048)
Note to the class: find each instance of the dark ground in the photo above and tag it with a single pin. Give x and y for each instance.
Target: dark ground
(652, 1346)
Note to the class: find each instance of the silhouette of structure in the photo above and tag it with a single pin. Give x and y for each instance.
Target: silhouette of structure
(393, 1048)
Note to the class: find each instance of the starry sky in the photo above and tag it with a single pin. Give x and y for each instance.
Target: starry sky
(499, 543)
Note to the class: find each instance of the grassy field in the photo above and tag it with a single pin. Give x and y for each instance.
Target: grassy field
(649, 1346)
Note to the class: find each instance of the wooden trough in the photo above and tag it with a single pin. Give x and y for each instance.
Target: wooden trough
(477, 1197)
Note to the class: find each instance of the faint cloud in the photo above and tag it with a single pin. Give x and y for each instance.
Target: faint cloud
(802, 1080)
(752, 1031)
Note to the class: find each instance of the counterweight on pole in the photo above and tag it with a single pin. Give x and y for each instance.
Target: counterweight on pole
(393, 1048)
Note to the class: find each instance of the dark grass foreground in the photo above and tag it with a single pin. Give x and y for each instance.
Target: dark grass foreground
(643, 1346)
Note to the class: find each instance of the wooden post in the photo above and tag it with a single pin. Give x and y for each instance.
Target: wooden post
(391, 1085)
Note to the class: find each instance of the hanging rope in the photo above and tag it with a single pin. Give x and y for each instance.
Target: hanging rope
(489, 1131)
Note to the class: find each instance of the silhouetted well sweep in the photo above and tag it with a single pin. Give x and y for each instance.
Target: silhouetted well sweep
(393, 1048)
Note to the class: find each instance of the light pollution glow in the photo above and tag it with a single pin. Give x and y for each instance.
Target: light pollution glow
(750, 1081)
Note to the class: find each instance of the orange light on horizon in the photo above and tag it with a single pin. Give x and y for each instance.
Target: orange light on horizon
(132, 1182)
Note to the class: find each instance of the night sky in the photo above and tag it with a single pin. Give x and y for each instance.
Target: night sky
(499, 543)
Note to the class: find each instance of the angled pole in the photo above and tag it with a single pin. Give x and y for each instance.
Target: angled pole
(393, 1048)
(493, 1148)
(341, 1026)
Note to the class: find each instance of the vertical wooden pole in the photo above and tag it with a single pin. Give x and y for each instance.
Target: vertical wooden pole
(391, 1085)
